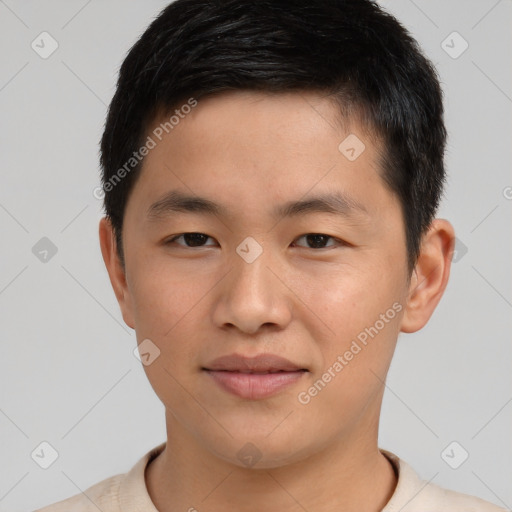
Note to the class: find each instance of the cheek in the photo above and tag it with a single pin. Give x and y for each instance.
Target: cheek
(167, 307)
(346, 299)
(357, 350)
(165, 295)
(356, 316)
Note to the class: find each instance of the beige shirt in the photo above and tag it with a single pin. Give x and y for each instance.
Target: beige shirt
(127, 492)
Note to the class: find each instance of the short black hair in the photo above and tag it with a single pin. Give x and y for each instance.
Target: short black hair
(351, 50)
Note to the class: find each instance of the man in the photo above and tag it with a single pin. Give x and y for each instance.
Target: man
(272, 172)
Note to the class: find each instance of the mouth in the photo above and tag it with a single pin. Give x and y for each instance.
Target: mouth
(254, 378)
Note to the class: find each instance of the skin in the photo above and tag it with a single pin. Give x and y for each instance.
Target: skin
(250, 151)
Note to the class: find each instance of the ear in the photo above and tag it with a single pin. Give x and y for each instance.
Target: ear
(430, 275)
(115, 270)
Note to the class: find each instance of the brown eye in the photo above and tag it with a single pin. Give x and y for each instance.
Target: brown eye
(191, 239)
(318, 240)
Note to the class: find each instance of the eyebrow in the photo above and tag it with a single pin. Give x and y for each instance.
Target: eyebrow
(335, 202)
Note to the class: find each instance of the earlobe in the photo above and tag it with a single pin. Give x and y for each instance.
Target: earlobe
(115, 270)
(430, 276)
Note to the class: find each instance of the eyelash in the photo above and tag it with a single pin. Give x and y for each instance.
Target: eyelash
(337, 240)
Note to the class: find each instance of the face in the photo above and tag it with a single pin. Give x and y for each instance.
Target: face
(295, 248)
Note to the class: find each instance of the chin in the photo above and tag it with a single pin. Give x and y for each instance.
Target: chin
(261, 450)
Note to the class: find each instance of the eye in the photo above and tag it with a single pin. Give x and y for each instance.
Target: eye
(191, 239)
(319, 240)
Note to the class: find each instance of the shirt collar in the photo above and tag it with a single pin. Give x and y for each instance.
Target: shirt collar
(133, 493)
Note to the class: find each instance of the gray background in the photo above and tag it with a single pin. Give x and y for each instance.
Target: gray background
(68, 373)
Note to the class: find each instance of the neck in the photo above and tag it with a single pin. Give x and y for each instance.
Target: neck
(349, 474)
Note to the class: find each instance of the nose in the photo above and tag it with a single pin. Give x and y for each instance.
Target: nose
(253, 297)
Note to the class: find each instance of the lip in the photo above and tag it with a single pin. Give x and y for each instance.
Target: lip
(254, 377)
(259, 363)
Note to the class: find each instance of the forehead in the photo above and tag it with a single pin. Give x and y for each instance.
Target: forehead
(250, 150)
